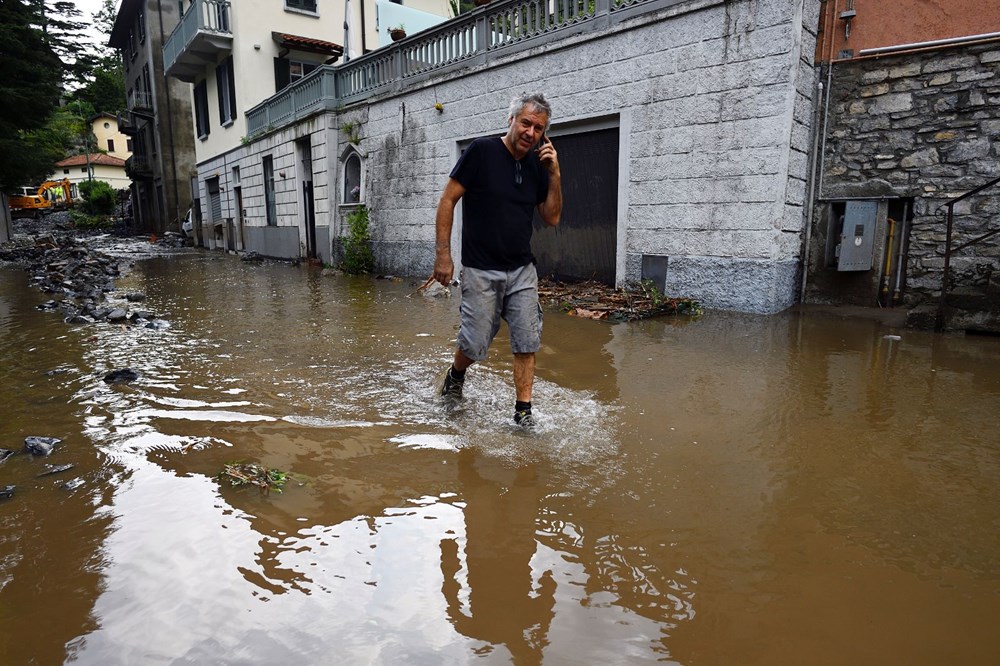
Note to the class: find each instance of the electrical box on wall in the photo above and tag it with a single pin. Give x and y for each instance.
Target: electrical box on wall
(857, 237)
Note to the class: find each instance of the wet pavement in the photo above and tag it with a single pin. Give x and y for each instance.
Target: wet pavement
(802, 488)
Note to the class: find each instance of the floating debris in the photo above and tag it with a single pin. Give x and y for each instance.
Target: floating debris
(252, 474)
(6, 492)
(594, 300)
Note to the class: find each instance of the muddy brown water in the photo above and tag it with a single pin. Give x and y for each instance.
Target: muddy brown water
(730, 490)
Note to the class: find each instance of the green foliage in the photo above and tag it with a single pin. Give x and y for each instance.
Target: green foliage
(358, 255)
(82, 220)
(252, 474)
(106, 91)
(99, 197)
(352, 130)
(29, 87)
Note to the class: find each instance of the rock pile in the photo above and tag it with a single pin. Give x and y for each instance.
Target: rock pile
(79, 278)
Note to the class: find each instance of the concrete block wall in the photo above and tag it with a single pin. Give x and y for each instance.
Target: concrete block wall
(717, 102)
(713, 101)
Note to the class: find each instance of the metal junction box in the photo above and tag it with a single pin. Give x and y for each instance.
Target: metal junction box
(857, 239)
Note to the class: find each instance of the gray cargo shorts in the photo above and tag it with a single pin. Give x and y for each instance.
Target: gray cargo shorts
(488, 297)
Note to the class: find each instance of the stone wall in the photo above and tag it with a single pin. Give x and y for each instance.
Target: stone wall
(713, 101)
(921, 125)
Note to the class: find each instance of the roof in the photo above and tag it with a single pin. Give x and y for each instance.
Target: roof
(308, 44)
(99, 159)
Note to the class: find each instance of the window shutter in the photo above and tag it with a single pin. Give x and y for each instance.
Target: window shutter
(281, 74)
(220, 84)
(232, 88)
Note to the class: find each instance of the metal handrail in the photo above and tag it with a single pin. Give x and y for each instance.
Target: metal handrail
(948, 249)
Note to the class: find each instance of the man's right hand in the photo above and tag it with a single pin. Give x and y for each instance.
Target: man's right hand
(444, 269)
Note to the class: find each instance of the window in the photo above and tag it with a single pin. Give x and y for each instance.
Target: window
(304, 5)
(352, 177)
(128, 145)
(131, 45)
(201, 110)
(289, 71)
(66, 171)
(107, 125)
(142, 26)
(83, 170)
(225, 83)
(272, 213)
(111, 145)
(147, 89)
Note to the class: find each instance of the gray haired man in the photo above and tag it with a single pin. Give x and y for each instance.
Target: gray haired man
(502, 181)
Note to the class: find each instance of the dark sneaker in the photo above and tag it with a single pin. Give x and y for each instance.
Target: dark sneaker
(452, 388)
(524, 418)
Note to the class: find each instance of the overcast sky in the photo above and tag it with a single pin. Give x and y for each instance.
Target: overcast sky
(88, 9)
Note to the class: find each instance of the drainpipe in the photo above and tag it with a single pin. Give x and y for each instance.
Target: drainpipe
(811, 191)
(929, 44)
(364, 29)
(170, 121)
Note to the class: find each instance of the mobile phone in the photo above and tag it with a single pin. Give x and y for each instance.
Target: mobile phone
(541, 142)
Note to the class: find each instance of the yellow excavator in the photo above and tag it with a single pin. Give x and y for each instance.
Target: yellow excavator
(47, 197)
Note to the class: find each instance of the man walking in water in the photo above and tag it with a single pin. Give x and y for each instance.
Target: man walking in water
(502, 180)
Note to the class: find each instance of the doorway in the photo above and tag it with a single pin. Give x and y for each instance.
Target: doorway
(584, 245)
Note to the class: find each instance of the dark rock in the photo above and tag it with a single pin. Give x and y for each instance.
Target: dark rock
(6, 492)
(136, 315)
(251, 256)
(158, 324)
(49, 305)
(40, 446)
(79, 319)
(121, 376)
(72, 484)
(135, 297)
(118, 314)
(4, 454)
(55, 469)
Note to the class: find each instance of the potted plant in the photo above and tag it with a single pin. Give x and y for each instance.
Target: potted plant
(397, 32)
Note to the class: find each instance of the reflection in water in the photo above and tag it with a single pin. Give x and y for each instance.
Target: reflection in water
(736, 489)
(503, 603)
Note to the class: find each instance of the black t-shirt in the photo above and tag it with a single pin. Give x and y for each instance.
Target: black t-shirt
(497, 211)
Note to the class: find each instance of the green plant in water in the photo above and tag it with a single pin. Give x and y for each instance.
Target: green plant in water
(358, 255)
(252, 474)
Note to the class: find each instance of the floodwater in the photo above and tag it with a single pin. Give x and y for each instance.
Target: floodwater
(795, 489)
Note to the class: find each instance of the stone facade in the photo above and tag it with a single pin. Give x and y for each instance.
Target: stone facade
(713, 105)
(919, 128)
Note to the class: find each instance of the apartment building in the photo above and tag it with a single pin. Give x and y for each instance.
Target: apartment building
(907, 188)
(235, 56)
(159, 116)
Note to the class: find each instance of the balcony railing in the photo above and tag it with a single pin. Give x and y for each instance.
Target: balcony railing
(203, 32)
(140, 101)
(494, 31)
(138, 167)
